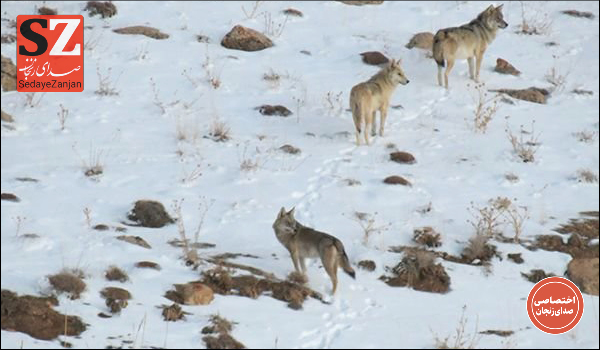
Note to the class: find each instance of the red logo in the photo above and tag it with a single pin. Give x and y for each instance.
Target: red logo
(50, 53)
(555, 305)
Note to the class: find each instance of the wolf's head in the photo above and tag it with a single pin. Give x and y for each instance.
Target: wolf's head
(395, 72)
(493, 18)
(285, 222)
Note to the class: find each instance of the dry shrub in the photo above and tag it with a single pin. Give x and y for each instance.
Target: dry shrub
(478, 248)
(524, 149)
(116, 274)
(427, 236)
(460, 340)
(219, 131)
(485, 108)
(68, 281)
(418, 270)
(586, 175)
(104, 9)
(223, 340)
(173, 312)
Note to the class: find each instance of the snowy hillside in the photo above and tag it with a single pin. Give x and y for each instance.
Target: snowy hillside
(150, 133)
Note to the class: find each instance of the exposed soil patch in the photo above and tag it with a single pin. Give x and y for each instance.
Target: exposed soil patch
(9, 197)
(222, 282)
(532, 94)
(498, 333)
(536, 275)
(142, 30)
(147, 265)
(149, 214)
(137, 240)
(579, 14)
(34, 316)
(397, 180)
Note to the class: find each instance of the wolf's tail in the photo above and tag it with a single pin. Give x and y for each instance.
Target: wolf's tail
(438, 51)
(355, 107)
(344, 262)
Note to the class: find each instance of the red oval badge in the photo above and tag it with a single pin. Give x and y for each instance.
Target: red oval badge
(555, 305)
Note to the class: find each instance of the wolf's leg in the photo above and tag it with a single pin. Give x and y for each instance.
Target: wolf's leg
(450, 64)
(303, 265)
(440, 75)
(471, 61)
(295, 259)
(479, 56)
(383, 112)
(374, 124)
(330, 263)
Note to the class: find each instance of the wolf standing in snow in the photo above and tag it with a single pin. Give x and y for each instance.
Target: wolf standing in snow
(467, 41)
(372, 95)
(304, 242)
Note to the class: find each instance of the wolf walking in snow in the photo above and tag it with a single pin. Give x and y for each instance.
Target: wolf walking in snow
(467, 41)
(304, 242)
(374, 95)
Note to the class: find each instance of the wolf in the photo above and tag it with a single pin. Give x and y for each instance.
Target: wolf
(467, 41)
(423, 40)
(372, 95)
(304, 242)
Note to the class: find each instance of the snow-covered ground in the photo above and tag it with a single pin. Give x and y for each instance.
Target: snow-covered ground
(138, 147)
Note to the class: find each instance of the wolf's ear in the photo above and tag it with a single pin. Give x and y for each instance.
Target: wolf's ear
(499, 7)
(490, 8)
(291, 212)
(281, 213)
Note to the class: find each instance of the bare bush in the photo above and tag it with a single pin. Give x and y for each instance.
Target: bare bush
(461, 339)
(536, 22)
(334, 103)
(87, 213)
(94, 165)
(191, 176)
(190, 250)
(63, 114)
(485, 108)
(213, 78)
(500, 211)
(367, 223)
(252, 12)
(524, 149)
(106, 87)
(248, 163)
(272, 28)
(187, 129)
(556, 78)
(33, 99)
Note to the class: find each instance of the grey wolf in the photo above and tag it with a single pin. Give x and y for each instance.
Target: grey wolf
(467, 41)
(422, 41)
(374, 95)
(304, 242)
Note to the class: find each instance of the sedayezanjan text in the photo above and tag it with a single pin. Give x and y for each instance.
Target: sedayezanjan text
(54, 84)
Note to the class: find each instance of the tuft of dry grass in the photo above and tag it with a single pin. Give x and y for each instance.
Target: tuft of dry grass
(485, 108)
(63, 114)
(461, 339)
(113, 273)
(69, 282)
(586, 136)
(366, 222)
(525, 149)
(538, 23)
(427, 236)
(106, 87)
(219, 131)
(586, 175)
